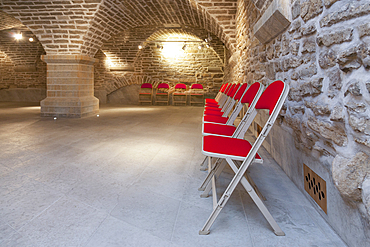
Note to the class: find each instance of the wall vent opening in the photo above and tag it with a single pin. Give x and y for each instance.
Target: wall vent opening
(315, 186)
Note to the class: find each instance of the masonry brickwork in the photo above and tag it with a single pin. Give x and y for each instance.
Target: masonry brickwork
(150, 64)
(81, 26)
(20, 63)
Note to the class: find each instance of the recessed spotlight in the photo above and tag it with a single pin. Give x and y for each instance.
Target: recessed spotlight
(140, 47)
(97, 115)
(31, 39)
(55, 118)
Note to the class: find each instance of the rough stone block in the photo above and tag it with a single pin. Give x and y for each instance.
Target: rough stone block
(273, 22)
(337, 114)
(353, 88)
(308, 29)
(309, 45)
(349, 174)
(335, 37)
(364, 30)
(310, 9)
(327, 58)
(296, 9)
(328, 131)
(348, 11)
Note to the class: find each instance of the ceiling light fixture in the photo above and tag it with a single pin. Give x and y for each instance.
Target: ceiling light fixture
(140, 47)
(31, 39)
(18, 36)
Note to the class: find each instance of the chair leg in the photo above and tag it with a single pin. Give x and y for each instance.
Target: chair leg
(221, 203)
(211, 172)
(227, 194)
(257, 200)
(203, 165)
(250, 180)
(209, 185)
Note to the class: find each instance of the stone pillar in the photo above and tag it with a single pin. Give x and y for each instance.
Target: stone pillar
(70, 86)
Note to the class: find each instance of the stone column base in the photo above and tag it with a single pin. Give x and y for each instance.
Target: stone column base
(69, 108)
(70, 86)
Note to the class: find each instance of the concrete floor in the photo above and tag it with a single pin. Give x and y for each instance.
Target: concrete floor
(129, 178)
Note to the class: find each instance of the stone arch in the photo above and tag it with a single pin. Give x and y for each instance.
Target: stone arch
(126, 56)
(23, 72)
(85, 25)
(181, 12)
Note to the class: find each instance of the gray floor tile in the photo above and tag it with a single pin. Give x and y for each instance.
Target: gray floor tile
(65, 223)
(149, 211)
(130, 178)
(114, 232)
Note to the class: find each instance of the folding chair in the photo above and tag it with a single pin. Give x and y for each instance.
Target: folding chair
(234, 149)
(196, 91)
(223, 97)
(162, 94)
(224, 126)
(179, 95)
(227, 107)
(219, 94)
(146, 93)
(250, 97)
(233, 103)
(246, 95)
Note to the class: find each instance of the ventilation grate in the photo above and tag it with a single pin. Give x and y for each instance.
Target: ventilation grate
(315, 186)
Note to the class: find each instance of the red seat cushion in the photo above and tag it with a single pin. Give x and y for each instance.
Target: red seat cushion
(212, 104)
(214, 113)
(218, 129)
(211, 101)
(227, 146)
(215, 119)
(212, 109)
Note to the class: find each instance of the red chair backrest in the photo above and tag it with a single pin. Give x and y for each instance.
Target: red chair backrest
(163, 85)
(180, 86)
(197, 86)
(227, 88)
(235, 90)
(242, 89)
(223, 87)
(270, 96)
(230, 90)
(251, 93)
(146, 85)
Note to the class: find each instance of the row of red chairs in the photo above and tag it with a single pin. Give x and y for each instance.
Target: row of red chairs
(162, 94)
(224, 141)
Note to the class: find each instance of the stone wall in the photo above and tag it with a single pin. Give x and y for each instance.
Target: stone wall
(122, 63)
(22, 73)
(324, 56)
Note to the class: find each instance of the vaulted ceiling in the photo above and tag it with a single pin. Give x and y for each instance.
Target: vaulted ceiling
(82, 26)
